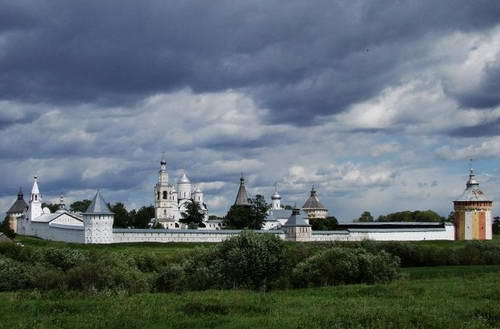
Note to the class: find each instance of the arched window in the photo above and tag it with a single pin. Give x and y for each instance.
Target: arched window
(165, 211)
(164, 194)
(158, 195)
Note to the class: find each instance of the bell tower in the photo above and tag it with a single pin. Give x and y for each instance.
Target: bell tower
(35, 204)
(165, 195)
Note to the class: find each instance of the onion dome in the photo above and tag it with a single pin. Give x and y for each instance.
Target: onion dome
(184, 179)
(197, 190)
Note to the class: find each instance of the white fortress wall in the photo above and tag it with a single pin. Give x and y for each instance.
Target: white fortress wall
(159, 235)
(58, 232)
(446, 233)
(75, 233)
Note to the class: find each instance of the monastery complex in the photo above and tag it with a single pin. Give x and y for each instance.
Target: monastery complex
(473, 219)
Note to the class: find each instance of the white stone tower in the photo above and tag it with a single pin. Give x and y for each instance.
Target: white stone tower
(165, 195)
(35, 204)
(297, 227)
(276, 199)
(98, 221)
(184, 187)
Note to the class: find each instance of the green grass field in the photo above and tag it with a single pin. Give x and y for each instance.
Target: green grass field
(424, 297)
(442, 298)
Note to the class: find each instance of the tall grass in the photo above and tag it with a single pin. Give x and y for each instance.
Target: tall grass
(440, 302)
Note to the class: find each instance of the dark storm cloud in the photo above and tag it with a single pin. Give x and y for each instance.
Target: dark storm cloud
(482, 130)
(299, 59)
(487, 93)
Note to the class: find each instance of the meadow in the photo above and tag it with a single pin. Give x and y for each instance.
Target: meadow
(434, 298)
(423, 297)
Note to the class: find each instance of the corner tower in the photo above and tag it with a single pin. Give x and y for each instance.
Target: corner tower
(313, 207)
(98, 221)
(473, 213)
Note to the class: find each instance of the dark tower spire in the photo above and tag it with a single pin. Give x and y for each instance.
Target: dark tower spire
(242, 196)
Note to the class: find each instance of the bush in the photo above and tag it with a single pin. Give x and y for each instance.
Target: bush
(251, 260)
(61, 258)
(107, 272)
(169, 279)
(201, 270)
(344, 266)
(13, 275)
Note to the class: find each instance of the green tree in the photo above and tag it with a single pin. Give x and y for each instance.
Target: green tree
(366, 216)
(52, 206)
(80, 206)
(411, 216)
(193, 216)
(6, 229)
(122, 218)
(251, 216)
(496, 225)
(323, 224)
(142, 217)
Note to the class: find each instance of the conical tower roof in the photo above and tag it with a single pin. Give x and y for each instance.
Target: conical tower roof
(242, 196)
(98, 206)
(472, 191)
(313, 201)
(19, 205)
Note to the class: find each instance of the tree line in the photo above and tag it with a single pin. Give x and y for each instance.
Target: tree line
(405, 216)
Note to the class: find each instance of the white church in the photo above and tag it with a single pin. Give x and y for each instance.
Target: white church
(170, 202)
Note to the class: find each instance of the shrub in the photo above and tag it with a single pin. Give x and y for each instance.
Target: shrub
(147, 262)
(13, 275)
(107, 272)
(251, 260)
(344, 266)
(61, 258)
(202, 270)
(169, 279)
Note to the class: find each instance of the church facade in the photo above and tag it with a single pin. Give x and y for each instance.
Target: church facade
(171, 199)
